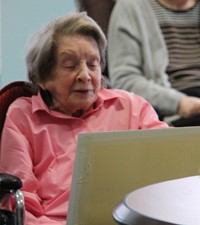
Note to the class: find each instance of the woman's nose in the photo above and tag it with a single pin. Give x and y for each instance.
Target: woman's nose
(83, 73)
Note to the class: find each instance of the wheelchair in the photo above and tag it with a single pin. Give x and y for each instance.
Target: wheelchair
(10, 194)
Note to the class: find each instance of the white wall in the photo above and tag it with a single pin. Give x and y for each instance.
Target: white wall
(18, 21)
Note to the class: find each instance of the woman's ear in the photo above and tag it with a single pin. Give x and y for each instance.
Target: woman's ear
(42, 85)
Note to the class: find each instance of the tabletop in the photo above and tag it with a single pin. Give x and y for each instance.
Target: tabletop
(170, 202)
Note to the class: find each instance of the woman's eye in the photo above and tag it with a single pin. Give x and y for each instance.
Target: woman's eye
(93, 64)
(69, 66)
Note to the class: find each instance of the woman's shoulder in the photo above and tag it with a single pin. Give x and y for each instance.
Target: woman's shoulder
(120, 93)
(21, 103)
(20, 108)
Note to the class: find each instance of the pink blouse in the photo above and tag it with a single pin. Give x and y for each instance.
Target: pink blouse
(38, 145)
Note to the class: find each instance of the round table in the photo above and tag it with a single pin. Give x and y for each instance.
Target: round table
(170, 202)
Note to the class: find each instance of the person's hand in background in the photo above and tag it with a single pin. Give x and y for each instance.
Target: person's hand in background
(189, 106)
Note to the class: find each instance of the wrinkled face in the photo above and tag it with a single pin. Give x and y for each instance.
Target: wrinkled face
(76, 78)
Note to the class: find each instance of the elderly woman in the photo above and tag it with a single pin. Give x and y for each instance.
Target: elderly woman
(64, 62)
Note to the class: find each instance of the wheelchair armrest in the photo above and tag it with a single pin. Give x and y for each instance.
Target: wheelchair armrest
(10, 187)
(9, 182)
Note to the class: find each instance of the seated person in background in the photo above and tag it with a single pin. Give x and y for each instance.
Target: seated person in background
(98, 10)
(64, 63)
(154, 51)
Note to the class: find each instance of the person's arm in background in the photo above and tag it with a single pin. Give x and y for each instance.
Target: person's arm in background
(137, 59)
